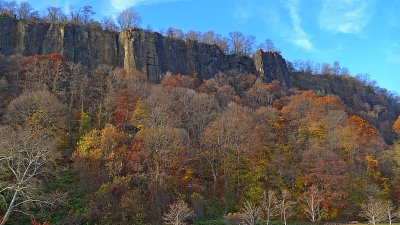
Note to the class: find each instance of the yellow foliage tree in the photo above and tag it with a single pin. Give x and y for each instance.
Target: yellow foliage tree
(140, 114)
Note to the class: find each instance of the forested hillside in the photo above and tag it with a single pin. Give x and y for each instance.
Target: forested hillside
(105, 146)
(191, 131)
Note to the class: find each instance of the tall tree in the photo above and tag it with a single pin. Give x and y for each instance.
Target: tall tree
(269, 206)
(286, 206)
(312, 207)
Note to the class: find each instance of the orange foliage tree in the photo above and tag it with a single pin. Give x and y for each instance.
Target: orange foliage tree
(396, 126)
(362, 128)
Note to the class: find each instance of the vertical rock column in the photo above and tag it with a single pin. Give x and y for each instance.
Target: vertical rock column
(272, 66)
(141, 53)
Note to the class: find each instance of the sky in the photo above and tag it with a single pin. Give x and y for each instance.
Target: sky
(363, 35)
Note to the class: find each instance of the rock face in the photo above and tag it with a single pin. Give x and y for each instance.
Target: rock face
(155, 54)
(272, 66)
(142, 50)
(91, 47)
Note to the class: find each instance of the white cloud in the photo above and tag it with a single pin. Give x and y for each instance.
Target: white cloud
(345, 16)
(297, 34)
(120, 5)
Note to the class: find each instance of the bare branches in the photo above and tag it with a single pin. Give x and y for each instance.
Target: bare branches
(286, 205)
(373, 210)
(251, 213)
(178, 213)
(313, 204)
(270, 205)
(129, 19)
(25, 154)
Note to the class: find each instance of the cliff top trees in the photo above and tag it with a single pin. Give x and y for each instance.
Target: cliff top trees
(82, 16)
(268, 45)
(25, 11)
(108, 24)
(129, 19)
(55, 14)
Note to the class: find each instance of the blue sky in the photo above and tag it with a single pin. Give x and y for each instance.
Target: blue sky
(363, 35)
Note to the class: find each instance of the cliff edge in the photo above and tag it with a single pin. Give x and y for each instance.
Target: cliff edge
(146, 51)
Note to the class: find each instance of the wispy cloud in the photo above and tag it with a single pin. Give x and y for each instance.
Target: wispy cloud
(299, 37)
(274, 14)
(120, 5)
(345, 16)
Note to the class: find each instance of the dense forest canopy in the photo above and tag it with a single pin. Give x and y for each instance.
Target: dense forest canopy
(105, 146)
(123, 149)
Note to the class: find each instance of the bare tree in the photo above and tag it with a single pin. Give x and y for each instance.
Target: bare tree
(175, 33)
(10, 7)
(55, 14)
(270, 205)
(87, 13)
(313, 204)
(251, 213)
(108, 24)
(390, 211)
(373, 210)
(27, 155)
(178, 213)
(237, 42)
(208, 37)
(129, 19)
(248, 44)
(267, 45)
(74, 16)
(24, 11)
(193, 35)
(286, 206)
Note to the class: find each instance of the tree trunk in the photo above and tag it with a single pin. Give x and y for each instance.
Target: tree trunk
(238, 176)
(9, 210)
(215, 182)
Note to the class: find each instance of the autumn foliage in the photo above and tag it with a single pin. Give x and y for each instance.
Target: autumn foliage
(133, 149)
(396, 126)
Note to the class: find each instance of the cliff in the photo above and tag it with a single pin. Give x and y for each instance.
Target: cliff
(146, 51)
(272, 66)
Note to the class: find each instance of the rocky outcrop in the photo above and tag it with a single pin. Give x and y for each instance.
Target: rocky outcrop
(155, 54)
(272, 66)
(146, 51)
(8, 35)
(85, 45)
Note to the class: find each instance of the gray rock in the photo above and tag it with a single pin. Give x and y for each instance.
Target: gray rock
(138, 49)
(272, 66)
